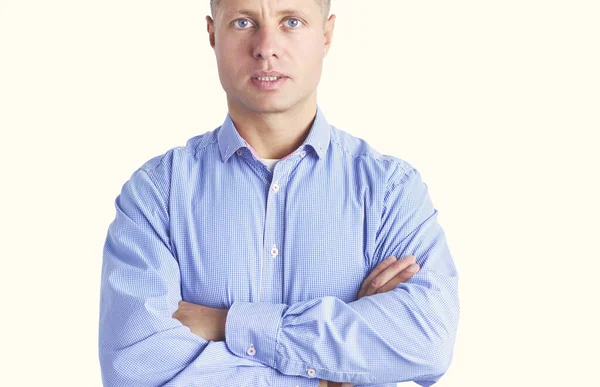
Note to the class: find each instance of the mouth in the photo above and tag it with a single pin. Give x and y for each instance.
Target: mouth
(268, 76)
(267, 79)
(268, 82)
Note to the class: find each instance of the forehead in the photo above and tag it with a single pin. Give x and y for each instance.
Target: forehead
(306, 8)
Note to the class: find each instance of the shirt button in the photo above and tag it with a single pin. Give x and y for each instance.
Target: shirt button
(302, 154)
(311, 372)
(251, 351)
(275, 187)
(274, 251)
(239, 153)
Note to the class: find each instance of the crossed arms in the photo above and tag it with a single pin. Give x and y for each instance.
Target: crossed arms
(405, 333)
(210, 323)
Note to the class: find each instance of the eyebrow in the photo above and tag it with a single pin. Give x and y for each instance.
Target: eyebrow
(247, 12)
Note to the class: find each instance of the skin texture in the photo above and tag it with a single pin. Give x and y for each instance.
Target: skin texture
(291, 37)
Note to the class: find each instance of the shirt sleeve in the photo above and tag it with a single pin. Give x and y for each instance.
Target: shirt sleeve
(140, 343)
(406, 334)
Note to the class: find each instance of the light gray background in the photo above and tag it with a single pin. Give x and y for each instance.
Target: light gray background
(496, 103)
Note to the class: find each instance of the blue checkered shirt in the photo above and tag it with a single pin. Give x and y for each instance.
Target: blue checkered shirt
(286, 251)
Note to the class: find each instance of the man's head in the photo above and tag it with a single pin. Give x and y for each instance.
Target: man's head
(254, 38)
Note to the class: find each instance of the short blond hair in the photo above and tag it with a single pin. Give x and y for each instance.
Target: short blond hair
(325, 5)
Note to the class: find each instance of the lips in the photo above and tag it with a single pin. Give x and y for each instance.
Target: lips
(268, 84)
(268, 74)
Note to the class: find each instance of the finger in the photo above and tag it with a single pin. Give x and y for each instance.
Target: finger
(393, 270)
(381, 267)
(402, 277)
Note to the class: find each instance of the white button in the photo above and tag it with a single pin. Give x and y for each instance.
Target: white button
(251, 351)
(302, 154)
(274, 251)
(275, 187)
(311, 372)
(239, 153)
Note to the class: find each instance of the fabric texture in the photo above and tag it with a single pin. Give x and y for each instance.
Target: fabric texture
(286, 251)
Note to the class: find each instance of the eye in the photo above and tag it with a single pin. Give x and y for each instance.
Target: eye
(293, 22)
(242, 23)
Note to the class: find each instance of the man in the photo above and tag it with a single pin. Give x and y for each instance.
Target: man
(256, 254)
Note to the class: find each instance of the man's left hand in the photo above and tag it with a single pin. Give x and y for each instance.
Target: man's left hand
(208, 323)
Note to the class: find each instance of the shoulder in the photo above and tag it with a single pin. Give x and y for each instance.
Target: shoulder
(187, 153)
(363, 154)
(159, 169)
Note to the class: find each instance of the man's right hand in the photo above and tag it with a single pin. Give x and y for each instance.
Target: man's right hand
(388, 274)
(385, 277)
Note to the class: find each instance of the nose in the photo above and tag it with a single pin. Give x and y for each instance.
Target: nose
(267, 45)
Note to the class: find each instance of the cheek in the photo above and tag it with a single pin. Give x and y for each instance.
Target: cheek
(308, 48)
(229, 63)
(311, 58)
(229, 47)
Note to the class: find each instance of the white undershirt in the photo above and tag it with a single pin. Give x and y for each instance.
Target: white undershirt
(270, 163)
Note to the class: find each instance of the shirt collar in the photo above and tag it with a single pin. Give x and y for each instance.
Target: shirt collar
(318, 138)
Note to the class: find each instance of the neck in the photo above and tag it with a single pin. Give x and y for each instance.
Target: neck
(273, 135)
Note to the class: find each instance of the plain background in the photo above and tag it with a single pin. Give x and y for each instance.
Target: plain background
(496, 103)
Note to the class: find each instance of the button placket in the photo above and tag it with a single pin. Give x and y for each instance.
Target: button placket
(272, 269)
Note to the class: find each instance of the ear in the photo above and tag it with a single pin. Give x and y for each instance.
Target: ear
(210, 27)
(329, 27)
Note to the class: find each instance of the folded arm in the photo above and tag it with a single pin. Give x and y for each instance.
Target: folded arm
(140, 343)
(406, 334)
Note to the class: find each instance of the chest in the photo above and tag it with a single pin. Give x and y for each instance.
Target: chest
(280, 241)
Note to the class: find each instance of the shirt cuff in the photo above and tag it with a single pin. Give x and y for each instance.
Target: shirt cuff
(251, 330)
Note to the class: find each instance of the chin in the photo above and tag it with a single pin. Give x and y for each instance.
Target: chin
(262, 103)
(269, 105)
